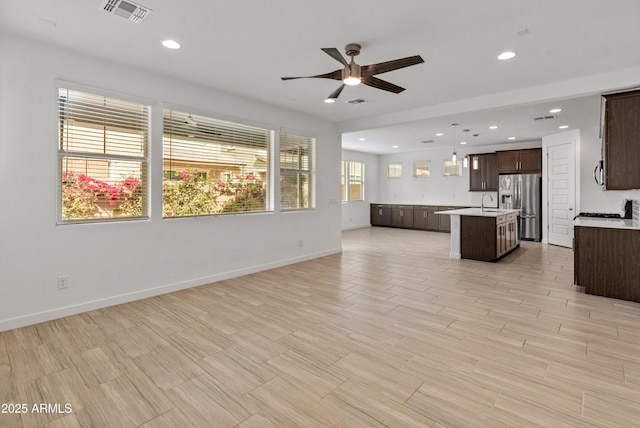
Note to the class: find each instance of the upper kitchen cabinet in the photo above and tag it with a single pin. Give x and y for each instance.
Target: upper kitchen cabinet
(483, 174)
(526, 161)
(621, 139)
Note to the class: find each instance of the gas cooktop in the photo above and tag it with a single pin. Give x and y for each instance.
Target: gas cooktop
(599, 215)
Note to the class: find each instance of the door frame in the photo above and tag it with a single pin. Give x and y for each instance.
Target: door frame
(572, 136)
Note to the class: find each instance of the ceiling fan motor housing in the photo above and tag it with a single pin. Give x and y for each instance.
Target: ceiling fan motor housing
(352, 70)
(352, 49)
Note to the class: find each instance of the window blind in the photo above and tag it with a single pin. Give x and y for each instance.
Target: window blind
(213, 166)
(356, 181)
(297, 170)
(343, 181)
(103, 156)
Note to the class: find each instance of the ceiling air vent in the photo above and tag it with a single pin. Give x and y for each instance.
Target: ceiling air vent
(126, 9)
(427, 141)
(357, 102)
(553, 116)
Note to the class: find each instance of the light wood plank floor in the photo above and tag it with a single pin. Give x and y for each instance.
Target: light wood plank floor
(388, 333)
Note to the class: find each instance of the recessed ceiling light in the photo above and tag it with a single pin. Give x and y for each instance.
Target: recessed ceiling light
(463, 142)
(506, 55)
(395, 147)
(493, 127)
(171, 44)
(563, 126)
(361, 138)
(330, 100)
(512, 138)
(555, 110)
(439, 134)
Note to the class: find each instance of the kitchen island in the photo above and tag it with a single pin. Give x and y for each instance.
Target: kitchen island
(482, 234)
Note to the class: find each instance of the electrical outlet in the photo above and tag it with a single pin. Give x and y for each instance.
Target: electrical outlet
(63, 282)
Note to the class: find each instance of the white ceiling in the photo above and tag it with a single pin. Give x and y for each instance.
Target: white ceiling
(572, 51)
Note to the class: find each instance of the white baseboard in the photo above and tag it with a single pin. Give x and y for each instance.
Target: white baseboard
(362, 226)
(55, 313)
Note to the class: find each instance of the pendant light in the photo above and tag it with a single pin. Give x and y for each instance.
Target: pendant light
(474, 162)
(465, 162)
(454, 155)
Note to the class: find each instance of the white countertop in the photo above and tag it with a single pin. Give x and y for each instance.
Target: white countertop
(477, 212)
(611, 223)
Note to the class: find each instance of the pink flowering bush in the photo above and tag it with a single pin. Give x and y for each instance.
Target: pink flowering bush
(85, 197)
(195, 195)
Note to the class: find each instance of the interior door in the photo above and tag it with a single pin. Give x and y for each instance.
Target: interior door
(561, 193)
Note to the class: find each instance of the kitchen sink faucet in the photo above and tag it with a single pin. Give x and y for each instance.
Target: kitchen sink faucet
(482, 200)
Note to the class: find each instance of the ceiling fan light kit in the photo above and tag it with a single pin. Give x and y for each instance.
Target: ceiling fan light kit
(353, 74)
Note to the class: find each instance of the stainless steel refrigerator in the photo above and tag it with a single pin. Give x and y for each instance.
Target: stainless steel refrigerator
(524, 192)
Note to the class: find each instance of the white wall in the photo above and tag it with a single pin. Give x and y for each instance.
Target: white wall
(111, 263)
(437, 189)
(356, 214)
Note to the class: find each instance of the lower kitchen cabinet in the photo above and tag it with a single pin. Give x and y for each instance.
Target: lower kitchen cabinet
(425, 218)
(607, 261)
(419, 217)
(380, 214)
(444, 224)
(402, 216)
(487, 238)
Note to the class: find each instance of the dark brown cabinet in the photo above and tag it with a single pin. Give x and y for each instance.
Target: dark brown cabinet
(381, 214)
(484, 178)
(487, 238)
(520, 161)
(621, 139)
(607, 261)
(506, 229)
(425, 218)
(419, 217)
(444, 223)
(402, 216)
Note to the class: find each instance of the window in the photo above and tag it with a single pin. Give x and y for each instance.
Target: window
(451, 168)
(213, 166)
(102, 155)
(296, 172)
(352, 181)
(421, 169)
(394, 170)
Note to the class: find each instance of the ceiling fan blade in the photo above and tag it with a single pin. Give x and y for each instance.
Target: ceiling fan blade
(335, 94)
(374, 82)
(335, 75)
(383, 67)
(335, 54)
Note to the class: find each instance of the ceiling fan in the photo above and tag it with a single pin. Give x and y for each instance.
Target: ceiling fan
(354, 74)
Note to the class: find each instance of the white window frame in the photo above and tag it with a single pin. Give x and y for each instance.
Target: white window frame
(394, 170)
(288, 140)
(64, 156)
(346, 180)
(206, 130)
(424, 166)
